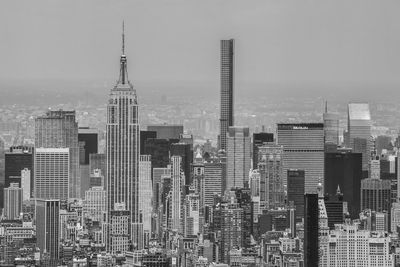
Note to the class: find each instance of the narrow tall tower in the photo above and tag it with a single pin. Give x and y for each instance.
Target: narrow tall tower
(122, 144)
(227, 82)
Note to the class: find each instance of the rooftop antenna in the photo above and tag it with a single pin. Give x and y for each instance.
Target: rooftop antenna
(123, 37)
(326, 106)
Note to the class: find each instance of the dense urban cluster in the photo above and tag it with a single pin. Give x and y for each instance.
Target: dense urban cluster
(303, 195)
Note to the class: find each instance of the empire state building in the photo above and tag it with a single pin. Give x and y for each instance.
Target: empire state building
(122, 145)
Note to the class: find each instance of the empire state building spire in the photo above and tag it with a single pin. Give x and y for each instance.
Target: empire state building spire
(123, 73)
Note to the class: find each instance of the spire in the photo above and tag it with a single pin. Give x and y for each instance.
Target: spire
(338, 192)
(123, 72)
(326, 106)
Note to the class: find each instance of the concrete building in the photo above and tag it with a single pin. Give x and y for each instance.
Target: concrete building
(95, 206)
(145, 192)
(12, 202)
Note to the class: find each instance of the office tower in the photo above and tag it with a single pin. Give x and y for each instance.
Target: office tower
(395, 217)
(227, 86)
(137, 233)
(26, 183)
(334, 209)
(158, 174)
(12, 202)
(166, 131)
(323, 228)
(331, 127)
(119, 233)
(47, 227)
(192, 214)
(383, 142)
(159, 149)
(212, 182)
(375, 194)
(375, 169)
(231, 229)
(295, 191)
(59, 129)
(88, 144)
(243, 198)
(311, 227)
(359, 127)
(97, 161)
(178, 182)
(351, 246)
(238, 157)
(343, 170)
(52, 173)
(144, 135)
(145, 192)
(198, 178)
(222, 156)
(17, 159)
(303, 145)
(292, 219)
(258, 140)
(96, 178)
(122, 143)
(185, 151)
(95, 205)
(270, 165)
(254, 183)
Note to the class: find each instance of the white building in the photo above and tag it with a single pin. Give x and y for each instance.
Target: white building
(95, 205)
(395, 217)
(26, 184)
(12, 202)
(349, 246)
(178, 181)
(145, 191)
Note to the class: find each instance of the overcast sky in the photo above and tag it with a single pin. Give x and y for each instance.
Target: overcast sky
(338, 41)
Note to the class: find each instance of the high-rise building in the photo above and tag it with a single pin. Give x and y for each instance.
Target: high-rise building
(192, 215)
(295, 191)
(52, 173)
(185, 151)
(231, 229)
(166, 131)
(359, 126)
(144, 135)
(16, 160)
(303, 145)
(227, 87)
(97, 161)
(96, 178)
(59, 129)
(375, 194)
(238, 157)
(311, 230)
(159, 149)
(12, 202)
(26, 183)
(343, 170)
(351, 246)
(270, 165)
(47, 227)
(178, 182)
(212, 184)
(335, 209)
(158, 174)
(88, 144)
(331, 127)
(258, 140)
(95, 205)
(145, 192)
(395, 217)
(119, 229)
(122, 143)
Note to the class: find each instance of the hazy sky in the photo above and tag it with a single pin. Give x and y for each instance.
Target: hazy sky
(338, 41)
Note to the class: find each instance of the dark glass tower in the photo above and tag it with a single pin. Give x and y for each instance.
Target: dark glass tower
(227, 82)
(258, 140)
(311, 238)
(295, 191)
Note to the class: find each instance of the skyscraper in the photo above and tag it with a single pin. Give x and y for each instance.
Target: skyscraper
(331, 127)
(178, 181)
(212, 183)
(311, 237)
(16, 160)
(227, 84)
(122, 143)
(12, 202)
(343, 170)
(295, 191)
(258, 140)
(95, 205)
(52, 173)
(47, 227)
(375, 194)
(166, 131)
(145, 192)
(88, 143)
(238, 157)
(59, 129)
(303, 145)
(359, 126)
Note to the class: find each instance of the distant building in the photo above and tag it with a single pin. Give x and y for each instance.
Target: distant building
(88, 144)
(166, 131)
(16, 160)
(47, 227)
(178, 182)
(12, 202)
(212, 182)
(303, 145)
(185, 151)
(238, 157)
(145, 192)
(231, 229)
(95, 206)
(359, 126)
(52, 173)
(144, 135)
(331, 127)
(227, 87)
(375, 194)
(26, 183)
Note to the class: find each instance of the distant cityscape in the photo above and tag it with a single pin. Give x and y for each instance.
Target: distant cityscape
(193, 181)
